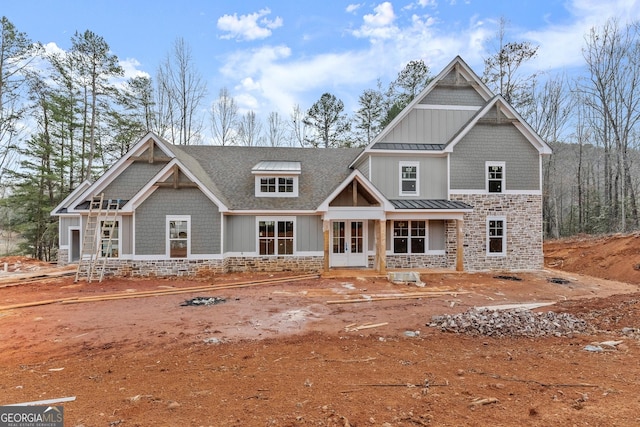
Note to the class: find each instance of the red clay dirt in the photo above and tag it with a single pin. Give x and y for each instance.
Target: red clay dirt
(282, 355)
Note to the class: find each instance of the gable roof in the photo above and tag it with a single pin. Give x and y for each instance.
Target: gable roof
(322, 170)
(510, 113)
(463, 76)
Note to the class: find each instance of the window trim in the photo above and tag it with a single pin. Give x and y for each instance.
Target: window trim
(489, 164)
(410, 237)
(401, 179)
(168, 239)
(118, 247)
(276, 220)
(504, 236)
(277, 193)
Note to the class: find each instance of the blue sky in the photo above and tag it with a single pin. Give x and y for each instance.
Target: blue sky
(273, 54)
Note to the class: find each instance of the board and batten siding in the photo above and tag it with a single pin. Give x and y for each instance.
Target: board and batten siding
(65, 223)
(309, 235)
(495, 143)
(131, 180)
(240, 233)
(423, 126)
(126, 235)
(432, 176)
(151, 217)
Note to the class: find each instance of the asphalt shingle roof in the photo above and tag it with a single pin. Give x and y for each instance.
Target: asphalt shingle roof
(227, 172)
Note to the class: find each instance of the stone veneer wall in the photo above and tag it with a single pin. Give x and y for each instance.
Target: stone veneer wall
(523, 215)
(63, 257)
(184, 267)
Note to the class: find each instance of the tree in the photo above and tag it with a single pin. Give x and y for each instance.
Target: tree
(180, 93)
(411, 80)
(368, 117)
(502, 69)
(612, 92)
(249, 130)
(96, 66)
(298, 126)
(327, 119)
(16, 52)
(275, 129)
(224, 115)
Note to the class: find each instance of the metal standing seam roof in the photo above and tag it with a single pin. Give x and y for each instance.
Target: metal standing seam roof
(277, 166)
(406, 146)
(430, 204)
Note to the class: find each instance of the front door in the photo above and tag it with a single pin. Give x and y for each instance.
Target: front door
(347, 244)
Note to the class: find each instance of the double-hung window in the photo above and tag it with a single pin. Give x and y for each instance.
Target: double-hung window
(495, 177)
(496, 236)
(409, 178)
(109, 238)
(409, 237)
(179, 236)
(275, 236)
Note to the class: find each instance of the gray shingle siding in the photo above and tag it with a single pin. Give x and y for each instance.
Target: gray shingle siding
(151, 221)
(453, 96)
(131, 180)
(501, 143)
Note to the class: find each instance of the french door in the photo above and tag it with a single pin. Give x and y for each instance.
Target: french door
(348, 244)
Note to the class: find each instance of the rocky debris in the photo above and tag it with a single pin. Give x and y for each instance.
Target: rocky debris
(198, 301)
(512, 322)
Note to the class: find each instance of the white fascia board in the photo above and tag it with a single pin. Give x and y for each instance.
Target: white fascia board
(164, 173)
(357, 175)
(354, 213)
(117, 168)
(71, 197)
(278, 212)
(430, 214)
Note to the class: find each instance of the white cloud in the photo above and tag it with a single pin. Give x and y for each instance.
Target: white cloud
(248, 27)
(131, 68)
(378, 25)
(352, 8)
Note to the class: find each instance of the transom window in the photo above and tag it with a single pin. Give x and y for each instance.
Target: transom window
(495, 177)
(178, 237)
(109, 238)
(496, 236)
(275, 237)
(409, 237)
(409, 179)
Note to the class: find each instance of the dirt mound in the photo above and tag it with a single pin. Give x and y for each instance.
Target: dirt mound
(615, 257)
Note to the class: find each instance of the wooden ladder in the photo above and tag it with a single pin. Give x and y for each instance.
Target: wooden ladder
(98, 237)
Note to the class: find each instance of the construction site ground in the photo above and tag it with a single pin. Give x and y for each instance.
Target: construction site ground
(295, 354)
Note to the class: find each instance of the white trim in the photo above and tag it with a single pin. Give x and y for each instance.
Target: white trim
(122, 164)
(118, 220)
(168, 219)
(508, 192)
(402, 164)
(276, 220)
(426, 215)
(269, 212)
(350, 213)
(357, 175)
(504, 236)
(503, 181)
(162, 257)
(277, 193)
(68, 247)
(71, 197)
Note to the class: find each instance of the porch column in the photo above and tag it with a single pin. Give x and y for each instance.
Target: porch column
(325, 229)
(381, 246)
(460, 245)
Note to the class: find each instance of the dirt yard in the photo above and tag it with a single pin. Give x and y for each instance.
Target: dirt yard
(288, 354)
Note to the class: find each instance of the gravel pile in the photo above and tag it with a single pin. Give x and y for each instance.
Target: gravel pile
(513, 322)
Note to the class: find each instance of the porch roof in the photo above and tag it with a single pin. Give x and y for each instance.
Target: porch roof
(440, 204)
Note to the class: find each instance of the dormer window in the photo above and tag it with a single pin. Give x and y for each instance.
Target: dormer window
(276, 178)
